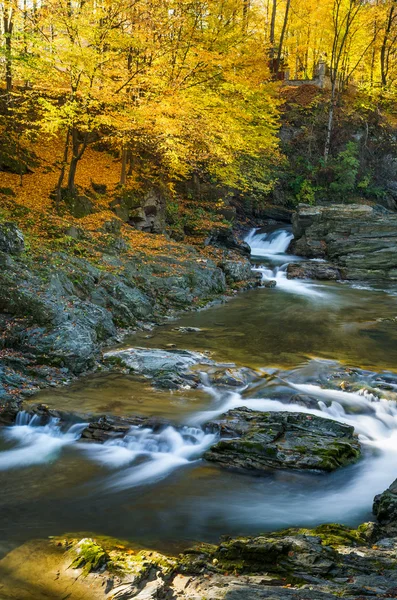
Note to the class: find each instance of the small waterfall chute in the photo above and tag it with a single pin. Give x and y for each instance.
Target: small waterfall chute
(269, 244)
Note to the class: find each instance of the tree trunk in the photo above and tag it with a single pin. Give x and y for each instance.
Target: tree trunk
(63, 169)
(124, 159)
(330, 122)
(78, 149)
(383, 51)
(280, 46)
(273, 28)
(8, 27)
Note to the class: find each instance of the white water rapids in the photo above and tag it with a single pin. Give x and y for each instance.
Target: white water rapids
(273, 247)
(144, 456)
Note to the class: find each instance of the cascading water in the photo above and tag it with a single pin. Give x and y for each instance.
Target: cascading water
(34, 443)
(161, 453)
(273, 247)
(144, 455)
(269, 244)
(152, 485)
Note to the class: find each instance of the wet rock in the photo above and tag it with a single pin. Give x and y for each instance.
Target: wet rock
(313, 270)
(237, 270)
(187, 329)
(272, 283)
(170, 369)
(226, 238)
(361, 240)
(230, 377)
(11, 239)
(257, 441)
(304, 400)
(90, 556)
(385, 508)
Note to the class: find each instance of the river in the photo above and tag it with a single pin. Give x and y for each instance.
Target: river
(154, 489)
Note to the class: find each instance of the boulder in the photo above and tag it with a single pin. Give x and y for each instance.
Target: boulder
(360, 240)
(313, 270)
(237, 270)
(385, 508)
(170, 369)
(259, 441)
(11, 239)
(227, 239)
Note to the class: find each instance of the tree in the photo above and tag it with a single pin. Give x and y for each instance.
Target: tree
(345, 15)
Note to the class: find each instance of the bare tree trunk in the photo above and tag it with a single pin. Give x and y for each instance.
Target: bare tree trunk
(78, 149)
(273, 28)
(124, 159)
(63, 169)
(281, 43)
(383, 51)
(246, 9)
(330, 125)
(8, 28)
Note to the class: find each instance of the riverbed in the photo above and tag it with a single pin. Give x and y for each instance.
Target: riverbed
(157, 491)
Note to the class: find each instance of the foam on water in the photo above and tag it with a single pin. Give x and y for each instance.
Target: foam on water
(269, 244)
(34, 443)
(273, 247)
(149, 455)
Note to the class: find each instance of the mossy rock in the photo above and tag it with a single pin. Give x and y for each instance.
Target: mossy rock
(90, 556)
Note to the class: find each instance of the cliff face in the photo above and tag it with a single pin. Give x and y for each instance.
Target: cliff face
(361, 240)
(362, 163)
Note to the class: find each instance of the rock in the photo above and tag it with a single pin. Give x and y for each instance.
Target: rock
(230, 377)
(237, 270)
(80, 206)
(11, 239)
(304, 400)
(385, 508)
(313, 270)
(361, 240)
(90, 556)
(325, 563)
(257, 441)
(271, 283)
(188, 329)
(144, 211)
(109, 428)
(99, 188)
(169, 369)
(226, 238)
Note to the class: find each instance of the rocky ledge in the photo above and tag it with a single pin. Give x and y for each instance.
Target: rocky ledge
(258, 441)
(57, 311)
(360, 240)
(330, 561)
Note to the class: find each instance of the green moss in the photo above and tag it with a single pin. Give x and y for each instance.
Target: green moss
(90, 556)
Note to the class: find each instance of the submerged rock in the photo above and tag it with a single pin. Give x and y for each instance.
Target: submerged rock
(258, 441)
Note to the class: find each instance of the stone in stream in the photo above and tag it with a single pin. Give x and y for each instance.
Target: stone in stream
(313, 270)
(385, 508)
(170, 369)
(259, 441)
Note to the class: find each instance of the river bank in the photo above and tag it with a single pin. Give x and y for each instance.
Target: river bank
(58, 310)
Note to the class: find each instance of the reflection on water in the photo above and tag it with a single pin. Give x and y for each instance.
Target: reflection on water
(153, 489)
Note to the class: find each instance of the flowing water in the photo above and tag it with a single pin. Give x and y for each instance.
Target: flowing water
(153, 487)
